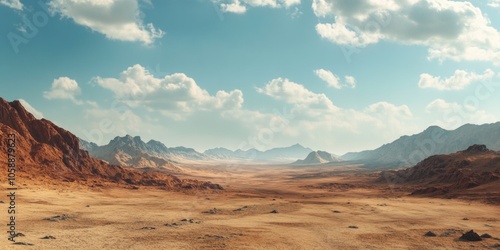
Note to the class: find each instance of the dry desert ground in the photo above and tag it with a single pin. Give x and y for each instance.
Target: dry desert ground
(262, 207)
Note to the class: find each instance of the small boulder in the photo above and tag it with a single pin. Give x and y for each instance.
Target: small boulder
(274, 211)
(430, 234)
(486, 236)
(470, 236)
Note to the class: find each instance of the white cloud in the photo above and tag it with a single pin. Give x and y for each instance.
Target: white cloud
(458, 81)
(494, 3)
(389, 109)
(294, 93)
(14, 4)
(116, 19)
(64, 88)
(454, 30)
(333, 80)
(234, 7)
(317, 118)
(321, 8)
(175, 95)
(450, 115)
(351, 81)
(340, 33)
(240, 6)
(37, 114)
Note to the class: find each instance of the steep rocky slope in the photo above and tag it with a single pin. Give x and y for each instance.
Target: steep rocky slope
(44, 150)
(475, 168)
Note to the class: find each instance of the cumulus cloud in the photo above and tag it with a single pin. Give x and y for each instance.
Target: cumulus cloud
(37, 114)
(116, 19)
(321, 8)
(333, 80)
(389, 109)
(14, 4)
(494, 3)
(240, 6)
(301, 97)
(294, 93)
(451, 114)
(234, 7)
(455, 30)
(327, 76)
(350, 81)
(315, 115)
(64, 88)
(175, 95)
(458, 81)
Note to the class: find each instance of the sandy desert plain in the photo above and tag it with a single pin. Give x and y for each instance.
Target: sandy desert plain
(322, 207)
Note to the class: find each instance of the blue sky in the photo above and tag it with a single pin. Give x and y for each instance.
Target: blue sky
(329, 74)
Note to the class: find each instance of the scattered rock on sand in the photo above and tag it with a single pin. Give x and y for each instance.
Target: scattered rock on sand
(59, 217)
(211, 211)
(450, 232)
(470, 236)
(430, 234)
(148, 228)
(23, 243)
(355, 227)
(213, 236)
(191, 221)
(486, 236)
(48, 237)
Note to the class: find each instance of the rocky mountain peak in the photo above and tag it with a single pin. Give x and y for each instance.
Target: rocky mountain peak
(477, 148)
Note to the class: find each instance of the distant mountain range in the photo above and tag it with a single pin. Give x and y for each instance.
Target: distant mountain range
(409, 150)
(132, 151)
(405, 151)
(285, 154)
(318, 157)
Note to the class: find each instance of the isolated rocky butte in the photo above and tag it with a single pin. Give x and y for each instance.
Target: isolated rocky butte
(318, 157)
(44, 150)
(477, 166)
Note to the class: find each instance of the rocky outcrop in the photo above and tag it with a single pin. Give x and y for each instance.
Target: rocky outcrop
(44, 150)
(317, 157)
(442, 174)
